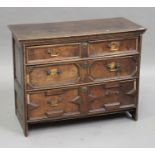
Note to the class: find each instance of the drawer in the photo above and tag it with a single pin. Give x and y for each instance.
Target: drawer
(115, 68)
(87, 100)
(52, 75)
(112, 96)
(52, 104)
(39, 54)
(101, 48)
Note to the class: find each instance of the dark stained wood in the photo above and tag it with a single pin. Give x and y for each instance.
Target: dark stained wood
(78, 69)
(55, 75)
(53, 105)
(73, 29)
(20, 104)
(101, 48)
(52, 53)
(113, 68)
(114, 97)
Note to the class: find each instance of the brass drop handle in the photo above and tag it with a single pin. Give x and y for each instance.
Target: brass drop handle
(112, 92)
(114, 46)
(53, 103)
(54, 71)
(52, 52)
(113, 67)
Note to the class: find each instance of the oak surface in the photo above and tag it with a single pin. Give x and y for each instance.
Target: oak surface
(78, 69)
(73, 28)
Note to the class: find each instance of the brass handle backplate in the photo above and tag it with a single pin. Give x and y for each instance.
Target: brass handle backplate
(113, 67)
(114, 46)
(83, 89)
(112, 92)
(84, 45)
(54, 102)
(52, 52)
(54, 71)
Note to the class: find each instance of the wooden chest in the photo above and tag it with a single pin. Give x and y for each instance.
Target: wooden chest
(76, 69)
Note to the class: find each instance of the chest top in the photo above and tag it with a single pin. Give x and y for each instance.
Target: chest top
(24, 32)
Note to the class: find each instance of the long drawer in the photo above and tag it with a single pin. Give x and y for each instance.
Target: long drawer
(80, 72)
(87, 100)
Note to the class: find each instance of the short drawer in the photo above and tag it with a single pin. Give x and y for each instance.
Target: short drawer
(112, 96)
(52, 75)
(101, 48)
(52, 104)
(115, 68)
(39, 54)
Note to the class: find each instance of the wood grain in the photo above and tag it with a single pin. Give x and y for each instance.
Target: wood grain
(73, 29)
(77, 69)
(46, 53)
(101, 48)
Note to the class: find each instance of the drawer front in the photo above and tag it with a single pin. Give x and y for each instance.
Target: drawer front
(62, 103)
(51, 53)
(126, 67)
(112, 96)
(52, 75)
(102, 48)
(52, 104)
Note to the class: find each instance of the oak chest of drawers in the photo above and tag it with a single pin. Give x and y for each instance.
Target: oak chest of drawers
(76, 69)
